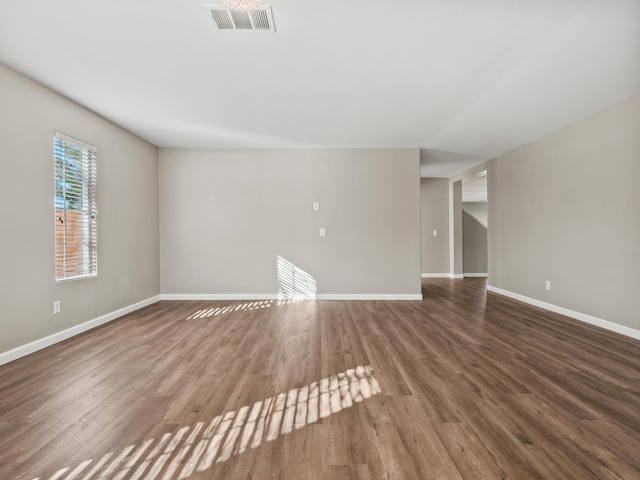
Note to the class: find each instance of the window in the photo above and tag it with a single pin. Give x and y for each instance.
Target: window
(75, 208)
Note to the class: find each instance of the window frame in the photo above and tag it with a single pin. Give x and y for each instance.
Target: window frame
(83, 201)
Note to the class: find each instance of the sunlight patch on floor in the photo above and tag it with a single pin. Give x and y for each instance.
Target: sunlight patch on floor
(177, 456)
(238, 307)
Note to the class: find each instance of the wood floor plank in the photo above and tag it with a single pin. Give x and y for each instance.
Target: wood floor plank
(345, 472)
(301, 459)
(470, 456)
(464, 384)
(568, 436)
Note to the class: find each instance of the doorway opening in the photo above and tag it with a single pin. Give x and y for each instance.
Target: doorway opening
(475, 224)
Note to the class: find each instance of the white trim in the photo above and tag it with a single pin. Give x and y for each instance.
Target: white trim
(69, 139)
(442, 275)
(452, 242)
(218, 296)
(268, 296)
(369, 296)
(583, 317)
(77, 277)
(478, 275)
(21, 351)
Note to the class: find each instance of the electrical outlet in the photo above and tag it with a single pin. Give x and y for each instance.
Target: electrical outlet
(322, 232)
(56, 307)
(547, 285)
(435, 233)
(316, 206)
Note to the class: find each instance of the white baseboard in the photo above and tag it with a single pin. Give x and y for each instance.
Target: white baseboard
(21, 351)
(218, 296)
(583, 317)
(321, 296)
(442, 275)
(476, 275)
(369, 296)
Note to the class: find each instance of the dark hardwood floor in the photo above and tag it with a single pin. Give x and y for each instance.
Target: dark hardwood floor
(464, 384)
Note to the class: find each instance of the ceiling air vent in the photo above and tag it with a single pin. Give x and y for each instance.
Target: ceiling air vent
(259, 19)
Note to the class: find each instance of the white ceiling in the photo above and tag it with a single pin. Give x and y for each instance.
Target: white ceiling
(464, 80)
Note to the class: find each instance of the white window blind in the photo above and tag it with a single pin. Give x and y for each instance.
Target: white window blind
(75, 208)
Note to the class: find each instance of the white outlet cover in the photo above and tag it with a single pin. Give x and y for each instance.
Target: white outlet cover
(316, 206)
(322, 232)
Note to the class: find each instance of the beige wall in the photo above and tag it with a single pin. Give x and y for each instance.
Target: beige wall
(474, 245)
(566, 208)
(128, 247)
(434, 213)
(226, 215)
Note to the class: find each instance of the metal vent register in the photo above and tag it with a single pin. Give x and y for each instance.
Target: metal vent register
(259, 19)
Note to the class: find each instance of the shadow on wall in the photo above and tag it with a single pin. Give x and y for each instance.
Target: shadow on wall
(196, 448)
(293, 282)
